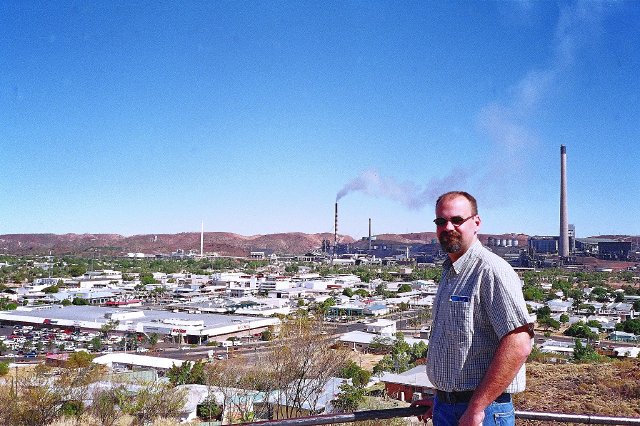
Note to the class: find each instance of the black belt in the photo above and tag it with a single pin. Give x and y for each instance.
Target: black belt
(465, 396)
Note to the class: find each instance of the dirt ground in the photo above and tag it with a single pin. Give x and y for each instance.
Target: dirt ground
(603, 389)
(366, 361)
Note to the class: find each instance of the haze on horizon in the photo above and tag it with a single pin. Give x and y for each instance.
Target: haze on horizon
(254, 117)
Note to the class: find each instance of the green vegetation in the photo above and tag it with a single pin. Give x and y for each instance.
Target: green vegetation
(401, 356)
(7, 305)
(358, 375)
(586, 353)
(629, 326)
(581, 330)
(349, 398)
(187, 373)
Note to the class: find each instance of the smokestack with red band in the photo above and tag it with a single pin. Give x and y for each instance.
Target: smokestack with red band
(563, 243)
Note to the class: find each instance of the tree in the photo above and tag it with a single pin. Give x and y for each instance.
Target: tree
(3, 348)
(533, 293)
(187, 373)
(104, 406)
(108, 327)
(150, 402)
(564, 318)
(7, 305)
(580, 330)
(72, 408)
(548, 322)
(42, 396)
(380, 344)
(629, 326)
(4, 368)
(419, 350)
(147, 278)
(385, 364)
(153, 340)
(543, 312)
(348, 398)
(266, 335)
(292, 269)
(234, 388)
(364, 293)
(347, 292)
(299, 366)
(209, 409)
(51, 289)
(404, 288)
(584, 353)
(76, 270)
(96, 344)
(80, 359)
(79, 301)
(358, 375)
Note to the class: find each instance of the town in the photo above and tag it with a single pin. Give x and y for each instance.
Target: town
(207, 330)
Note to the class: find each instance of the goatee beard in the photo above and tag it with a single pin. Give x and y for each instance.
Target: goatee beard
(450, 241)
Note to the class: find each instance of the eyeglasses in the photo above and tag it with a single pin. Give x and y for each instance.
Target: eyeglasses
(455, 221)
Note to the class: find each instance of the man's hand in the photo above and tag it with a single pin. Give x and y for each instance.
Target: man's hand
(427, 402)
(471, 418)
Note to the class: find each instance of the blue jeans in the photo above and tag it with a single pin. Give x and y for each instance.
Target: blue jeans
(496, 414)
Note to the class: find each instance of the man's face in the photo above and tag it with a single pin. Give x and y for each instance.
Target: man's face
(456, 240)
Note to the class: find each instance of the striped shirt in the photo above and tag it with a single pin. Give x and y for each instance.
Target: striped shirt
(479, 300)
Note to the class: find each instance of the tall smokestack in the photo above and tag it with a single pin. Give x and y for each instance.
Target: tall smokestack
(202, 239)
(335, 232)
(563, 243)
(369, 234)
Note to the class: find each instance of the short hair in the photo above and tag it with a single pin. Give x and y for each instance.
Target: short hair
(453, 194)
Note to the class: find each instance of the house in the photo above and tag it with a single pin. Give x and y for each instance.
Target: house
(409, 386)
(313, 404)
(360, 340)
(376, 309)
(133, 361)
(621, 336)
(559, 306)
(558, 347)
(627, 352)
(234, 402)
(382, 326)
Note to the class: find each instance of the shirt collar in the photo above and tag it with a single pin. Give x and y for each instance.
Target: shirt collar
(460, 264)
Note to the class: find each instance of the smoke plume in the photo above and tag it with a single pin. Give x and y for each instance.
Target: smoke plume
(408, 194)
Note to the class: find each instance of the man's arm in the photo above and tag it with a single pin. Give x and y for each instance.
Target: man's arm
(512, 352)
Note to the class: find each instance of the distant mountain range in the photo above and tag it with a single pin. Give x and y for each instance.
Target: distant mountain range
(223, 243)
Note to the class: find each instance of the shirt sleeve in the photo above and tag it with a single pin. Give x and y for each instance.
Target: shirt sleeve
(502, 299)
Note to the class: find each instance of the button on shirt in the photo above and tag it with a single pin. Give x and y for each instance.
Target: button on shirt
(479, 300)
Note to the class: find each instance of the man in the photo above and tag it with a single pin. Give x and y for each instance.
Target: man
(481, 332)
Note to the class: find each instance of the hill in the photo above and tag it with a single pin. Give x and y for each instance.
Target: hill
(224, 243)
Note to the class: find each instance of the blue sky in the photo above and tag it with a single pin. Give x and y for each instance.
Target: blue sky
(254, 116)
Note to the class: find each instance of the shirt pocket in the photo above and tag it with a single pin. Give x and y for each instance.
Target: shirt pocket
(461, 318)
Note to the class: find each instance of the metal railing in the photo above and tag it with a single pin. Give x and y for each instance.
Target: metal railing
(325, 419)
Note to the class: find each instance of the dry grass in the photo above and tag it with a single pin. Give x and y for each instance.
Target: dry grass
(610, 389)
(366, 361)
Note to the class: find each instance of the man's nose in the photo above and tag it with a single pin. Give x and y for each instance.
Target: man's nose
(449, 226)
